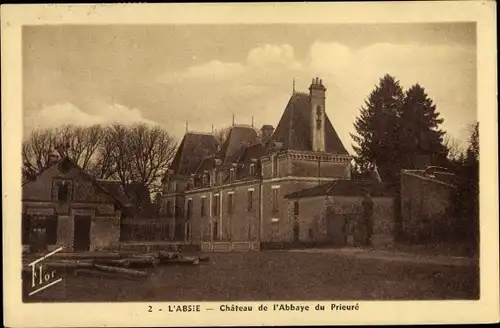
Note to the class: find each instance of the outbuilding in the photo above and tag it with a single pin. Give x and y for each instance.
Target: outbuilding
(65, 207)
(342, 213)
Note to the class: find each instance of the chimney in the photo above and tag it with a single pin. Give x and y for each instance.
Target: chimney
(317, 104)
(266, 133)
(53, 158)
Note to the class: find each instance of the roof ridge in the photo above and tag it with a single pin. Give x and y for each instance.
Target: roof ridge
(201, 133)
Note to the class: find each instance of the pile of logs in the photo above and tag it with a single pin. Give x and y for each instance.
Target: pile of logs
(113, 264)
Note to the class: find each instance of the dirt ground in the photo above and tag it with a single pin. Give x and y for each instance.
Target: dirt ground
(275, 275)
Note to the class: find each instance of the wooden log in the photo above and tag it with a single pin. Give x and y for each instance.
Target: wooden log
(103, 274)
(121, 262)
(120, 270)
(143, 262)
(89, 255)
(180, 260)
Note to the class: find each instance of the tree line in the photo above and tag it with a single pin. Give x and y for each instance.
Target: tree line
(128, 153)
(399, 129)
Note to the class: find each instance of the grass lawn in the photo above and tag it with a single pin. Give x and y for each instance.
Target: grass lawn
(275, 275)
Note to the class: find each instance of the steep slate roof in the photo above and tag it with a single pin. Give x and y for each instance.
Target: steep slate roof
(193, 149)
(256, 151)
(342, 188)
(239, 138)
(294, 127)
(114, 187)
(206, 164)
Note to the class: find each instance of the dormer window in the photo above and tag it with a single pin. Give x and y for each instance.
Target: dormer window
(206, 179)
(62, 190)
(252, 170)
(232, 174)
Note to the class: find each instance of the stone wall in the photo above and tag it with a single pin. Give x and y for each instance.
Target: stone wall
(104, 232)
(319, 226)
(424, 203)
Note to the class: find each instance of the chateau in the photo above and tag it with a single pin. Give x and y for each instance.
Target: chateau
(271, 188)
(234, 195)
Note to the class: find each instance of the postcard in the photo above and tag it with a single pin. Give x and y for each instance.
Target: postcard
(249, 164)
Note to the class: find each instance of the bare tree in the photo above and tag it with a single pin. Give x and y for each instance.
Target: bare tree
(80, 144)
(453, 147)
(120, 155)
(151, 150)
(36, 150)
(473, 149)
(222, 134)
(138, 153)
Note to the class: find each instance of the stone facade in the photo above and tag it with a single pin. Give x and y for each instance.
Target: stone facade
(234, 193)
(65, 207)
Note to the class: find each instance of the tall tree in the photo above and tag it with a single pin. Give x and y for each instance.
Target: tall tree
(151, 150)
(80, 144)
(422, 142)
(378, 130)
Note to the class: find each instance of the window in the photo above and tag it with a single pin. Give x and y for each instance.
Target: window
(165, 231)
(275, 166)
(275, 199)
(170, 209)
(47, 225)
(274, 231)
(252, 170)
(216, 205)
(188, 231)
(250, 231)
(232, 175)
(202, 207)
(189, 211)
(230, 203)
(296, 208)
(213, 177)
(62, 190)
(250, 200)
(215, 230)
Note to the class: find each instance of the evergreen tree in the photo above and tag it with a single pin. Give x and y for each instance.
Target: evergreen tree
(421, 139)
(378, 130)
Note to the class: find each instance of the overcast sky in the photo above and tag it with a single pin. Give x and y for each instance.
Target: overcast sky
(170, 74)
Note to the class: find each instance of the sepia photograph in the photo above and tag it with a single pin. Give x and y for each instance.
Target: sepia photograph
(268, 162)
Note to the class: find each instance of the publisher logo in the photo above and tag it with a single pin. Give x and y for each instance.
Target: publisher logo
(41, 277)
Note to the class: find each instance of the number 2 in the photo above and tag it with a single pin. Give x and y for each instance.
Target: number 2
(150, 308)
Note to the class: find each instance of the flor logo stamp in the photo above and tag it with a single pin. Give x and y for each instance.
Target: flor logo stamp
(41, 278)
